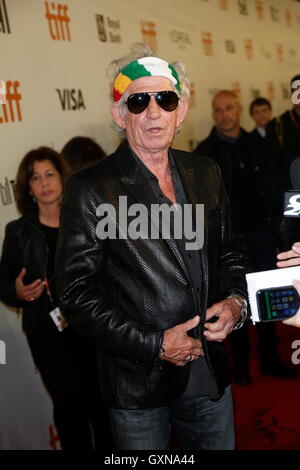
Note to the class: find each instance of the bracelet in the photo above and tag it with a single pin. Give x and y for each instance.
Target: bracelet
(242, 303)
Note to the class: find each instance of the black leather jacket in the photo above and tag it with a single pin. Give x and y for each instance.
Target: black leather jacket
(25, 246)
(124, 293)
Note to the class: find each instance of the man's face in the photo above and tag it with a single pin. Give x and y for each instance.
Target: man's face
(153, 129)
(226, 113)
(261, 114)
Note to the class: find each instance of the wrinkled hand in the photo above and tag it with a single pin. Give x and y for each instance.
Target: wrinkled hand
(30, 292)
(179, 348)
(228, 313)
(289, 258)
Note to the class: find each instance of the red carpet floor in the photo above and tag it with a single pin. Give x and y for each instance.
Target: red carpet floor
(267, 412)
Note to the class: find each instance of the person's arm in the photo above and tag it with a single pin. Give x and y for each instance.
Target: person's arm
(10, 267)
(234, 264)
(287, 259)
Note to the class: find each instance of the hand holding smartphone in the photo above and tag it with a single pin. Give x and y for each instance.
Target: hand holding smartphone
(277, 303)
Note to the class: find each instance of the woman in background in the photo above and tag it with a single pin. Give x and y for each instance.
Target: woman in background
(65, 360)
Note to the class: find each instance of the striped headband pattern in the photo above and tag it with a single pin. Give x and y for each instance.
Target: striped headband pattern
(145, 67)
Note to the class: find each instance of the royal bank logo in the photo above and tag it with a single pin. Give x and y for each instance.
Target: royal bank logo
(230, 46)
(148, 30)
(58, 21)
(243, 7)
(7, 192)
(207, 42)
(71, 99)
(180, 38)
(10, 101)
(109, 29)
(260, 13)
(274, 13)
(4, 21)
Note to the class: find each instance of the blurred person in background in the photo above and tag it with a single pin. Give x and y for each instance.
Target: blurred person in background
(80, 152)
(66, 361)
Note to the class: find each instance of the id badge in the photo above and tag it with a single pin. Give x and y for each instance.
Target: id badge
(58, 319)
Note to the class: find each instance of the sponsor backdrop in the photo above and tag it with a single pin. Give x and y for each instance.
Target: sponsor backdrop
(53, 86)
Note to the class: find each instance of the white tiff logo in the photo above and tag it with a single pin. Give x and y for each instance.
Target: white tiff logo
(2, 352)
(296, 354)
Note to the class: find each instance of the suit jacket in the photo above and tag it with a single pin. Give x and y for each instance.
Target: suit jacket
(123, 293)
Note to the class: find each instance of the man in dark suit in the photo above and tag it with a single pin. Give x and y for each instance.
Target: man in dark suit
(251, 179)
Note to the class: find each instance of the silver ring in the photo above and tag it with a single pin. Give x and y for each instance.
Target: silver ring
(188, 358)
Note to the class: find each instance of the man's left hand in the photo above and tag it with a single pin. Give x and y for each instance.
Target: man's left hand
(228, 313)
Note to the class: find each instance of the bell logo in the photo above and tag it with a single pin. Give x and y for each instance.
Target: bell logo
(4, 23)
(71, 100)
(8, 97)
(149, 34)
(60, 20)
(2, 353)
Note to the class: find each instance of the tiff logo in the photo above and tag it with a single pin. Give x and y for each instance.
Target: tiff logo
(2, 352)
(9, 96)
(60, 20)
(4, 23)
(71, 100)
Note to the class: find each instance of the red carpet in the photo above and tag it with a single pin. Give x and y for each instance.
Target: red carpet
(267, 412)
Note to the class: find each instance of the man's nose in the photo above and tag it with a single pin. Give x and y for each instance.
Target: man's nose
(153, 109)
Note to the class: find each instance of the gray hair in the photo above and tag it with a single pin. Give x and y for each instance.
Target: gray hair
(137, 51)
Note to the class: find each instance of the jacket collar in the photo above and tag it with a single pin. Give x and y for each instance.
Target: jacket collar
(136, 183)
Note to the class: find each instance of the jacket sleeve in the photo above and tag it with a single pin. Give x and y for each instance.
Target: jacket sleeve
(79, 277)
(234, 261)
(10, 267)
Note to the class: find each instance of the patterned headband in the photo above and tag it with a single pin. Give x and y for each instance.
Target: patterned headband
(145, 67)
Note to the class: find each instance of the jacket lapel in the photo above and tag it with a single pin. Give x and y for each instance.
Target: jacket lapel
(139, 188)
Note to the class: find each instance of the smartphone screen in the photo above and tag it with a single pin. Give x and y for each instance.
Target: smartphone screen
(277, 303)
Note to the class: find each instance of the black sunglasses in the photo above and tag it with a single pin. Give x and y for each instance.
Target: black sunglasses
(138, 102)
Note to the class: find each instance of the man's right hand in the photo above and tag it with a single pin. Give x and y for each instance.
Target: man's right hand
(178, 347)
(30, 292)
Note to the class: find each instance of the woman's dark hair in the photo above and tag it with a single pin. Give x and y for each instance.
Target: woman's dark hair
(25, 203)
(80, 152)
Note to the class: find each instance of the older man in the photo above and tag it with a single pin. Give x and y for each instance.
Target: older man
(147, 298)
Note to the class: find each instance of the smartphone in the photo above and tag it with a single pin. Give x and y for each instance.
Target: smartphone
(277, 303)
